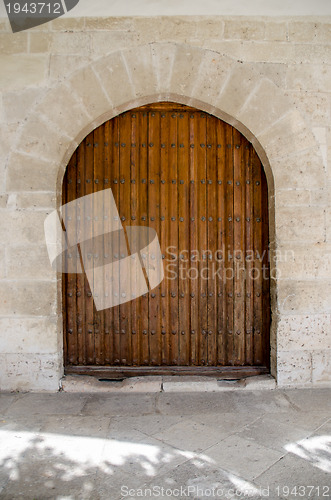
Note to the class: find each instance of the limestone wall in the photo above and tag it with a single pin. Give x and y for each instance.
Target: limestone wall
(269, 77)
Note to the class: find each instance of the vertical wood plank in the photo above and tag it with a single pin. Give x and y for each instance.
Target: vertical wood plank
(249, 251)
(164, 236)
(229, 271)
(154, 147)
(202, 234)
(239, 245)
(211, 183)
(183, 238)
(221, 246)
(194, 243)
(173, 232)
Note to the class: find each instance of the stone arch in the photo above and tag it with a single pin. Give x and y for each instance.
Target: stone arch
(229, 89)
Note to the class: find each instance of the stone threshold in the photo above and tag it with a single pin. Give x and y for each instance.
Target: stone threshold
(85, 383)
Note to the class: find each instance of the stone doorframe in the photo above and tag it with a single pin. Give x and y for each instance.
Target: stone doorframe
(227, 88)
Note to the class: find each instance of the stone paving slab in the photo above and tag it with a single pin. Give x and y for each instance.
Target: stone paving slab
(90, 446)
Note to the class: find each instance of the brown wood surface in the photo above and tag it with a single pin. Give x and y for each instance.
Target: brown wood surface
(200, 184)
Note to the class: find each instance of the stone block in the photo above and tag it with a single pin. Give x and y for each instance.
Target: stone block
(312, 54)
(304, 297)
(294, 368)
(29, 335)
(276, 31)
(214, 26)
(139, 63)
(266, 97)
(302, 170)
(108, 23)
(243, 80)
(30, 174)
(64, 109)
(304, 332)
(302, 262)
(70, 43)
(61, 66)
(293, 197)
(28, 298)
(115, 79)
(267, 51)
(2, 263)
(16, 44)
(40, 42)
(275, 72)
(17, 105)
(39, 372)
(313, 105)
(68, 24)
(300, 224)
(244, 30)
(22, 71)
(34, 200)
(29, 262)
(301, 77)
(175, 29)
(23, 227)
(321, 372)
(185, 69)
(302, 31)
(214, 67)
(42, 140)
(323, 32)
(163, 61)
(328, 224)
(106, 42)
(287, 136)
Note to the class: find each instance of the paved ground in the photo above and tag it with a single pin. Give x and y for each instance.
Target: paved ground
(235, 444)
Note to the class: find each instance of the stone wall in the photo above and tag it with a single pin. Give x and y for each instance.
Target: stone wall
(269, 77)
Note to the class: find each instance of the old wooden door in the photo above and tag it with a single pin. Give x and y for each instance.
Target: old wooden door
(200, 184)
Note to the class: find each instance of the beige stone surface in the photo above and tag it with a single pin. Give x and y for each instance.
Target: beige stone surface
(304, 332)
(25, 173)
(321, 368)
(19, 71)
(304, 297)
(268, 76)
(23, 334)
(28, 298)
(294, 368)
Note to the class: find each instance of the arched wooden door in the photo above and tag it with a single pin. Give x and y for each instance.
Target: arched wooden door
(200, 184)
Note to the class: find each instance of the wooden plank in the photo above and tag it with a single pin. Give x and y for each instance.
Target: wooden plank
(258, 251)
(173, 240)
(193, 224)
(249, 251)
(88, 232)
(80, 278)
(135, 216)
(154, 147)
(98, 225)
(143, 202)
(221, 215)
(229, 274)
(211, 222)
(108, 313)
(239, 249)
(183, 237)
(202, 242)
(222, 372)
(124, 211)
(114, 179)
(164, 236)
